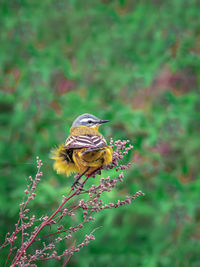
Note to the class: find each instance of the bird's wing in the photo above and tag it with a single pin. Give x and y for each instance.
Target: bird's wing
(88, 141)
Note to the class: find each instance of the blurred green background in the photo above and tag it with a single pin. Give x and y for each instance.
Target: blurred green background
(136, 63)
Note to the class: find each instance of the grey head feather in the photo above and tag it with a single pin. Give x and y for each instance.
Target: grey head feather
(86, 119)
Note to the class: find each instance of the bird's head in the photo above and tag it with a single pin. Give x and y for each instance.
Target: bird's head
(88, 120)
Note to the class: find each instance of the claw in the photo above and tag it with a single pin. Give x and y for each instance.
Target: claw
(77, 185)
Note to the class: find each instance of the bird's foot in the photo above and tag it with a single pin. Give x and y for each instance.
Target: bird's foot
(77, 185)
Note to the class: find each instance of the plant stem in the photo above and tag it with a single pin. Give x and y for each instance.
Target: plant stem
(17, 257)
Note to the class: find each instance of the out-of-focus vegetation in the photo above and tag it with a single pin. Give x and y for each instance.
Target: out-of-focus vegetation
(136, 63)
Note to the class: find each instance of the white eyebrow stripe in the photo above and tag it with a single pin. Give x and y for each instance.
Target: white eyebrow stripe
(86, 120)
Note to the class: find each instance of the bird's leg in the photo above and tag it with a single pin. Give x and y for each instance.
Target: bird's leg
(76, 182)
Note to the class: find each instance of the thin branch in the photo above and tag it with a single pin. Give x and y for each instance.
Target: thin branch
(47, 221)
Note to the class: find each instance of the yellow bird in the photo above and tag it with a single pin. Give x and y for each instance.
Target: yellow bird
(85, 150)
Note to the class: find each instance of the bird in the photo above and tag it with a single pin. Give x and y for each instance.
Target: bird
(84, 151)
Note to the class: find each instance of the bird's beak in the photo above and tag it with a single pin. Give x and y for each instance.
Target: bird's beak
(103, 121)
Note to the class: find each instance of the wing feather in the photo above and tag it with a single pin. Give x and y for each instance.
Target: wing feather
(81, 141)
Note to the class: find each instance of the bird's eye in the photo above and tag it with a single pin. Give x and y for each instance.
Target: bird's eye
(89, 121)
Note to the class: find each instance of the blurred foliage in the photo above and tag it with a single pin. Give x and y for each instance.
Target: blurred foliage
(136, 63)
